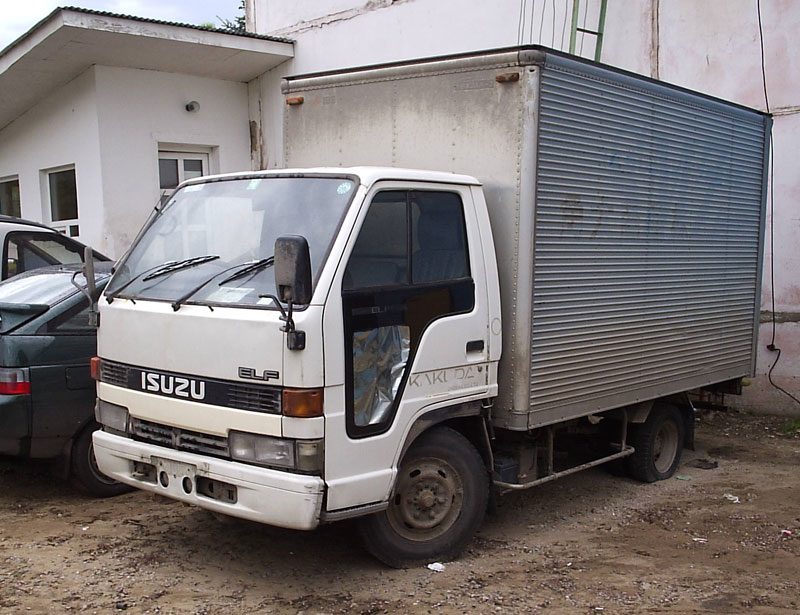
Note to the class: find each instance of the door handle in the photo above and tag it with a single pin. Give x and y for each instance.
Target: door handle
(475, 346)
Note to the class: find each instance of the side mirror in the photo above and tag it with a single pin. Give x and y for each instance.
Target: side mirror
(293, 269)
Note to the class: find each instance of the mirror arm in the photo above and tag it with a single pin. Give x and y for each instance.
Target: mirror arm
(295, 340)
(94, 319)
(90, 289)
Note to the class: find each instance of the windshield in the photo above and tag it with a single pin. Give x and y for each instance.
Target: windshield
(210, 230)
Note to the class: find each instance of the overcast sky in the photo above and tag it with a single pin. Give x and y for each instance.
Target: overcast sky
(18, 16)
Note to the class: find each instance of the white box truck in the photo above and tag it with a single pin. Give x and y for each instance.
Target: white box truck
(578, 248)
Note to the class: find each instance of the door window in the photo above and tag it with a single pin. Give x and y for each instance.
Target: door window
(409, 266)
(25, 251)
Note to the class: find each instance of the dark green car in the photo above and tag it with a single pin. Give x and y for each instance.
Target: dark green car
(47, 394)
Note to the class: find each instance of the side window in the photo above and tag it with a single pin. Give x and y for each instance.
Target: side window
(380, 256)
(75, 321)
(26, 251)
(409, 266)
(439, 237)
(438, 243)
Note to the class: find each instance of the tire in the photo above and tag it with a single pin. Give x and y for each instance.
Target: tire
(438, 502)
(658, 443)
(85, 472)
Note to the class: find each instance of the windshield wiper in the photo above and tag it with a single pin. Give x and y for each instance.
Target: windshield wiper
(178, 265)
(113, 295)
(250, 266)
(160, 270)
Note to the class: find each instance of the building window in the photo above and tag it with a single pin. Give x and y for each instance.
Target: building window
(9, 197)
(176, 167)
(63, 193)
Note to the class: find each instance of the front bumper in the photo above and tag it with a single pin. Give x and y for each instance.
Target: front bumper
(261, 494)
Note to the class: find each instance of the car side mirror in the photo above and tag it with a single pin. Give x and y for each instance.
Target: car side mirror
(293, 269)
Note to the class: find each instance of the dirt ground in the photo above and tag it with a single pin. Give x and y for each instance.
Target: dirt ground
(590, 543)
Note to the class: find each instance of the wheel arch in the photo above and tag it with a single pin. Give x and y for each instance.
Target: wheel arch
(638, 414)
(469, 419)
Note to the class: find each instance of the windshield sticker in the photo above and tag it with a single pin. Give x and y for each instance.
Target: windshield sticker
(194, 188)
(229, 295)
(344, 187)
(253, 184)
(265, 301)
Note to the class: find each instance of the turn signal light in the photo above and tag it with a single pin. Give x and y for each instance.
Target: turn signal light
(94, 368)
(303, 403)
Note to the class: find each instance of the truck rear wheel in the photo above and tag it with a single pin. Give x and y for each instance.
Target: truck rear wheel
(439, 501)
(658, 443)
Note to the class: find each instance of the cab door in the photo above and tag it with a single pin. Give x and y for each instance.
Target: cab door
(414, 330)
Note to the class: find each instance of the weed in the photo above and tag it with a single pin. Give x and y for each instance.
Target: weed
(792, 427)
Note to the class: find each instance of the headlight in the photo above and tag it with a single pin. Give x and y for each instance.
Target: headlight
(112, 417)
(302, 455)
(263, 450)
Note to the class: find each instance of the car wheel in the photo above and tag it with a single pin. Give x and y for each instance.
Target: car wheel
(85, 472)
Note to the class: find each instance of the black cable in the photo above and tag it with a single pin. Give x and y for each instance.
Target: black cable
(771, 346)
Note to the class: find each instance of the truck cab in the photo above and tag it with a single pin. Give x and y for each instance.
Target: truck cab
(215, 389)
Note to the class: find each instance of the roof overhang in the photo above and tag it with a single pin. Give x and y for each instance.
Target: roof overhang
(68, 41)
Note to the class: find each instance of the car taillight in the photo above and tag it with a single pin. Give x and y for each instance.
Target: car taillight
(14, 381)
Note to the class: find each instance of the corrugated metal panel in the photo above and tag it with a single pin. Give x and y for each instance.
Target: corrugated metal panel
(648, 230)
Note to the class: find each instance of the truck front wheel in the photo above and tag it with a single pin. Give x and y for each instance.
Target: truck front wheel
(658, 443)
(438, 502)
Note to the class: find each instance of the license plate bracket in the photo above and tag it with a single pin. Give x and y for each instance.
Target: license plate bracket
(175, 475)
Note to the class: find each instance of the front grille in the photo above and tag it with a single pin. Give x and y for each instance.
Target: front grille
(114, 373)
(256, 398)
(242, 396)
(179, 439)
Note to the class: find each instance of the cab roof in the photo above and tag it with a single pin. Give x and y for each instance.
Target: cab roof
(366, 175)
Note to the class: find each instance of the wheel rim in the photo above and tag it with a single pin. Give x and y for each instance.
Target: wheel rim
(665, 447)
(427, 500)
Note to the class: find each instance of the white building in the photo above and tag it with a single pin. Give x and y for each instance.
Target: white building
(94, 119)
(104, 98)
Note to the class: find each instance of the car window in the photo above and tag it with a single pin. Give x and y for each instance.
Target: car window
(75, 320)
(29, 250)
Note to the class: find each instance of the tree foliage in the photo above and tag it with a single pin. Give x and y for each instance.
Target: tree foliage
(237, 24)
